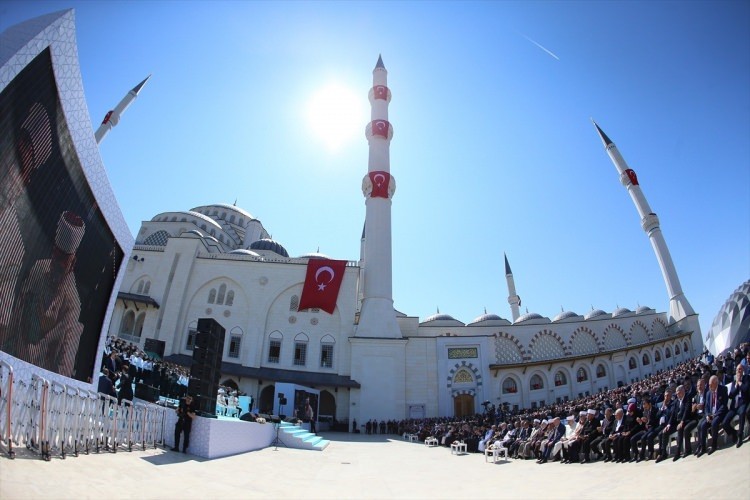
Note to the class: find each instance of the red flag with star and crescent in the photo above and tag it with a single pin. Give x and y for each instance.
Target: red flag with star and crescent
(322, 284)
(380, 182)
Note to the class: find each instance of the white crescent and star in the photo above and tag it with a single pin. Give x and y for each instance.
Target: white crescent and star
(381, 181)
(324, 269)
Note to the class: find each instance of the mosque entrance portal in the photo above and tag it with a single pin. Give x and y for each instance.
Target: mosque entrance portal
(463, 405)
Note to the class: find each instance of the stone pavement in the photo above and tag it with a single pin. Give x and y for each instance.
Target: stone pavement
(359, 466)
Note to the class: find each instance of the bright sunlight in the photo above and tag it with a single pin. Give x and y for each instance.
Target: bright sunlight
(337, 115)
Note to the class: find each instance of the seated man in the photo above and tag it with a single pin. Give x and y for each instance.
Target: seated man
(604, 430)
(739, 397)
(716, 407)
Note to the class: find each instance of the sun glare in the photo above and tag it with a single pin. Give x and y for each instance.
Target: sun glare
(336, 115)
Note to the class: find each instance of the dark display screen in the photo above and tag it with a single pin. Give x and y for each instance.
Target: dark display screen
(58, 257)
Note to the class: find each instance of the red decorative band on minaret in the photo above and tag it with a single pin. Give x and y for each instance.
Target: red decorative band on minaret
(380, 182)
(380, 92)
(631, 175)
(381, 127)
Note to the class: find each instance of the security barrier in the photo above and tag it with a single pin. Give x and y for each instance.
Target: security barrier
(53, 418)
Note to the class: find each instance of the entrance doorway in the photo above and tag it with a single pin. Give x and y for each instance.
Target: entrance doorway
(463, 405)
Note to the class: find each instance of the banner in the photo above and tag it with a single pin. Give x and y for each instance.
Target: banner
(322, 284)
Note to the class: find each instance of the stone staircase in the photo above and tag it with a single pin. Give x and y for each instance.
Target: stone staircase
(294, 436)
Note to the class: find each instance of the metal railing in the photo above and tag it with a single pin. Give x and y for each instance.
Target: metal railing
(50, 418)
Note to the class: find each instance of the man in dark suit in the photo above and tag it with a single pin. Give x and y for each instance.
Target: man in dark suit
(602, 442)
(649, 427)
(684, 414)
(739, 397)
(696, 410)
(716, 407)
(670, 421)
(557, 434)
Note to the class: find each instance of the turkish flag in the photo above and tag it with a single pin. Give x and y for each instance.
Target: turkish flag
(380, 127)
(380, 182)
(632, 176)
(107, 117)
(322, 284)
(380, 92)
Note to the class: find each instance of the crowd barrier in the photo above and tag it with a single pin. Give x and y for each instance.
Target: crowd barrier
(50, 418)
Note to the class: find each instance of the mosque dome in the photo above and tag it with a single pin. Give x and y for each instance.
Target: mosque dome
(243, 251)
(269, 245)
(216, 209)
(564, 315)
(529, 317)
(643, 310)
(731, 326)
(314, 255)
(440, 317)
(620, 311)
(596, 313)
(487, 318)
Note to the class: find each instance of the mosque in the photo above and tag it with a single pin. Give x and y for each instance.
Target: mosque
(367, 359)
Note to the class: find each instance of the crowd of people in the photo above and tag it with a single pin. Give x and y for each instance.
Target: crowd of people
(703, 395)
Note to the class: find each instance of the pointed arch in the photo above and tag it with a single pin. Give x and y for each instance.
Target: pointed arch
(584, 341)
(508, 349)
(547, 344)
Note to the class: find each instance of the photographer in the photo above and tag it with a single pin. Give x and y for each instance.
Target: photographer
(185, 416)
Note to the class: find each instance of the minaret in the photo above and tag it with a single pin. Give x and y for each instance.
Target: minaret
(112, 117)
(377, 317)
(679, 307)
(513, 299)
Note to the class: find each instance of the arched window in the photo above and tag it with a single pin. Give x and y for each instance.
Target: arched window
(326, 351)
(667, 353)
(230, 298)
(222, 293)
(632, 364)
(657, 356)
(560, 379)
(294, 303)
(536, 383)
(676, 349)
(300, 349)
(463, 377)
(212, 296)
(274, 347)
(127, 323)
(140, 287)
(192, 331)
(235, 342)
(685, 347)
(231, 219)
(582, 375)
(509, 386)
(601, 372)
(147, 288)
(646, 361)
(138, 329)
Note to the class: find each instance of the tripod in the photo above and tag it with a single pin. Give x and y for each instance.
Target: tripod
(276, 442)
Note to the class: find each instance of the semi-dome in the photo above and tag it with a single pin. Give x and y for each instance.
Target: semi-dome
(225, 206)
(244, 251)
(620, 311)
(595, 314)
(269, 245)
(529, 317)
(564, 315)
(731, 326)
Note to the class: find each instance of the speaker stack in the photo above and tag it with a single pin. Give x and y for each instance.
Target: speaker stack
(205, 371)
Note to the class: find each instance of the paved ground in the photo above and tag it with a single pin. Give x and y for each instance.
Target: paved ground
(355, 466)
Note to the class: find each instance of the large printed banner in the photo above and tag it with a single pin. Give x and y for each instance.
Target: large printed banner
(58, 257)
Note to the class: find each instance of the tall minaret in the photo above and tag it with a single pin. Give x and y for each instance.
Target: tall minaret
(113, 116)
(679, 307)
(378, 318)
(513, 299)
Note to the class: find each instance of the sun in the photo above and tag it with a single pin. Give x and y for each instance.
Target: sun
(336, 115)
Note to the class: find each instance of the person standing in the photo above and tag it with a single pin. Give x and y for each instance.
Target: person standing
(310, 415)
(185, 416)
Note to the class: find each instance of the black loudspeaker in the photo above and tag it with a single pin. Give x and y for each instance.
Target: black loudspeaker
(155, 346)
(205, 371)
(282, 401)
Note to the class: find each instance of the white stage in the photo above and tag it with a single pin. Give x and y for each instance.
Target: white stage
(216, 437)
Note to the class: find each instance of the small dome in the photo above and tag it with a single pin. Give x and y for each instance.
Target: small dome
(440, 317)
(643, 310)
(565, 315)
(314, 255)
(270, 245)
(528, 317)
(620, 311)
(595, 314)
(242, 251)
(489, 318)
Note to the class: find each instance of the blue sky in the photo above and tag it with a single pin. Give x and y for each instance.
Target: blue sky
(493, 148)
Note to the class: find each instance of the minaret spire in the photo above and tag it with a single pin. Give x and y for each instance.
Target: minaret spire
(378, 318)
(679, 307)
(513, 299)
(112, 118)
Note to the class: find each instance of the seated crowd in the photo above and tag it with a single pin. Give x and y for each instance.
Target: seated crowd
(702, 396)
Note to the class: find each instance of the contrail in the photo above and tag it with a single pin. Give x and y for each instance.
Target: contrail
(540, 46)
